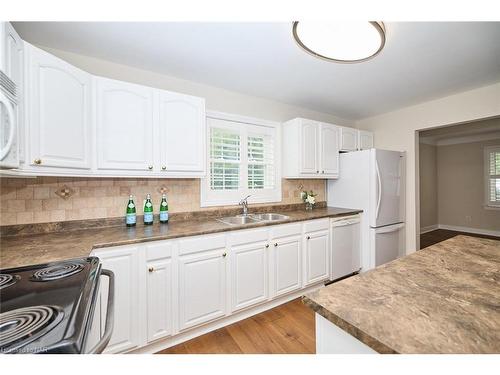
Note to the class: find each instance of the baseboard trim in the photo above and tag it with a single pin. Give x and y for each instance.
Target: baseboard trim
(168, 342)
(429, 228)
(486, 232)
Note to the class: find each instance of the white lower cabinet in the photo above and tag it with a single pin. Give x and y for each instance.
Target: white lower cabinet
(202, 280)
(158, 271)
(249, 268)
(124, 262)
(171, 287)
(286, 259)
(316, 252)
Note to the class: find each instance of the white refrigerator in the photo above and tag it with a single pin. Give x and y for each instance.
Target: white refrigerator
(374, 181)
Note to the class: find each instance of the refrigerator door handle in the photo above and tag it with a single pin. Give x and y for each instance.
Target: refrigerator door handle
(390, 228)
(379, 189)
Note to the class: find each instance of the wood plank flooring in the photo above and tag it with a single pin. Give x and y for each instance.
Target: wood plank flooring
(286, 329)
(438, 235)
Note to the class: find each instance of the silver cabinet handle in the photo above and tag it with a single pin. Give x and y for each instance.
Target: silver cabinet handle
(163, 168)
(150, 167)
(308, 237)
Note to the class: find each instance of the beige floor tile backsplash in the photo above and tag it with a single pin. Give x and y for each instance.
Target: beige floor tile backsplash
(36, 200)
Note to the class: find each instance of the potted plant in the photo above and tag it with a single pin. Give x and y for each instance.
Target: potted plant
(309, 199)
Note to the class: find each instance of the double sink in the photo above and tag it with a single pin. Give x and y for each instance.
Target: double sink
(251, 218)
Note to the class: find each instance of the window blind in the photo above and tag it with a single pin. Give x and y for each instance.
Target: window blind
(493, 177)
(225, 153)
(260, 161)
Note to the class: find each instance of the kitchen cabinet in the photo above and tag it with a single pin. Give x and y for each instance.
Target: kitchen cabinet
(345, 247)
(318, 149)
(182, 132)
(124, 126)
(316, 251)
(59, 107)
(159, 279)
(287, 258)
(202, 280)
(124, 262)
(329, 150)
(249, 268)
(348, 140)
(365, 140)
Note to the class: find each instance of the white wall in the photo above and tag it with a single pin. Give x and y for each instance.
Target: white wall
(397, 131)
(217, 99)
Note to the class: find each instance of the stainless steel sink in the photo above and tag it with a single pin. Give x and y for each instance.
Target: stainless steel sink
(269, 217)
(238, 220)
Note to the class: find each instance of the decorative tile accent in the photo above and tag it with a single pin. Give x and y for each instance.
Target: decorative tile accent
(32, 200)
(65, 192)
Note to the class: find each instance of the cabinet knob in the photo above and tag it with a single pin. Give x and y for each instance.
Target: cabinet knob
(322, 171)
(317, 171)
(308, 237)
(224, 255)
(150, 167)
(151, 269)
(267, 245)
(37, 161)
(276, 244)
(163, 168)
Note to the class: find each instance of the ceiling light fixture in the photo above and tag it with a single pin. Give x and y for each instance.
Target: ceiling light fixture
(341, 42)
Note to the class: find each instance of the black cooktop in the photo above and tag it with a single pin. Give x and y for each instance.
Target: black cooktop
(47, 308)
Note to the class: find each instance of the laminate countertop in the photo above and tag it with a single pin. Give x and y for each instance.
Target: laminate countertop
(27, 249)
(443, 299)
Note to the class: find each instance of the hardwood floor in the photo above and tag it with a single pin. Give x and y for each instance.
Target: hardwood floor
(286, 329)
(438, 235)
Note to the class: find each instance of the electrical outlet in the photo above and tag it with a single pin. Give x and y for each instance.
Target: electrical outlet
(468, 219)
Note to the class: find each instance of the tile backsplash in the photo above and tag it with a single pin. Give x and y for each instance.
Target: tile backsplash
(47, 199)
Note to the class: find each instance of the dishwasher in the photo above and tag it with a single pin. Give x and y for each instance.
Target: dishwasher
(346, 249)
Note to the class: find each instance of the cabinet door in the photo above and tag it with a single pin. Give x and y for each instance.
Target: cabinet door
(329, 151)
(59, 112)
(249, 274)
(348, 139)
(158, 269)
(287, 264)
(365, 140)
(182, 133)
(124, 262)
(125, 138)
(309, 147)
(202, 287)
(316, 257)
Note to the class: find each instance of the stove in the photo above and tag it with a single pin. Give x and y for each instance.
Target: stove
(48, 308)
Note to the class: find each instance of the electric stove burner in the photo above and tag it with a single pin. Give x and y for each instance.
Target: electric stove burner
(21, 326)
(8, 280)
(57, 271)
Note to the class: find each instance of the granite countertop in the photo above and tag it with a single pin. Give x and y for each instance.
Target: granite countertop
(443, 299)
(22, 250)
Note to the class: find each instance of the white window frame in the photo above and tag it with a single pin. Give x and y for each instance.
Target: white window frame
(210, 198)
(487, 203)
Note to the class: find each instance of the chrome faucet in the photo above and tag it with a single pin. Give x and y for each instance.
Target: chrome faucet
(244, 203)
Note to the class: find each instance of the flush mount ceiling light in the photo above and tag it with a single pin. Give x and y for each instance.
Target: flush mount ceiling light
(342, 42)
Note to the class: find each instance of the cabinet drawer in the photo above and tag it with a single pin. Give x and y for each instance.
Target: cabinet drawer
(314, 225)
(286, 230)
(248, 236)
(201, 243)
(158, 250)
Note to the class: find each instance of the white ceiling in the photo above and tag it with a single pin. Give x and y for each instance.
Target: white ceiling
(421, 60)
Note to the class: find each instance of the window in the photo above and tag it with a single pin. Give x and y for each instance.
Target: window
(242, 160)
(492, 176)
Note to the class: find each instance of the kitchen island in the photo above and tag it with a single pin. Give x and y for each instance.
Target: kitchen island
(443, 299)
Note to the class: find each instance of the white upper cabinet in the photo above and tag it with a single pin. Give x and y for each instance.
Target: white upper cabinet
(59, 108)
(365, 140)
(310, 149)
(348, 140)
(182, 133)
(329, 151)
(124, 127)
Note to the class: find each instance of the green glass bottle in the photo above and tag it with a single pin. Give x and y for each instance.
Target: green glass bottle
(164, 209)
(148, 211)
(130, 217)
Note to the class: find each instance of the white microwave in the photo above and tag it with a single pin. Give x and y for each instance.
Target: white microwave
(9, 145)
